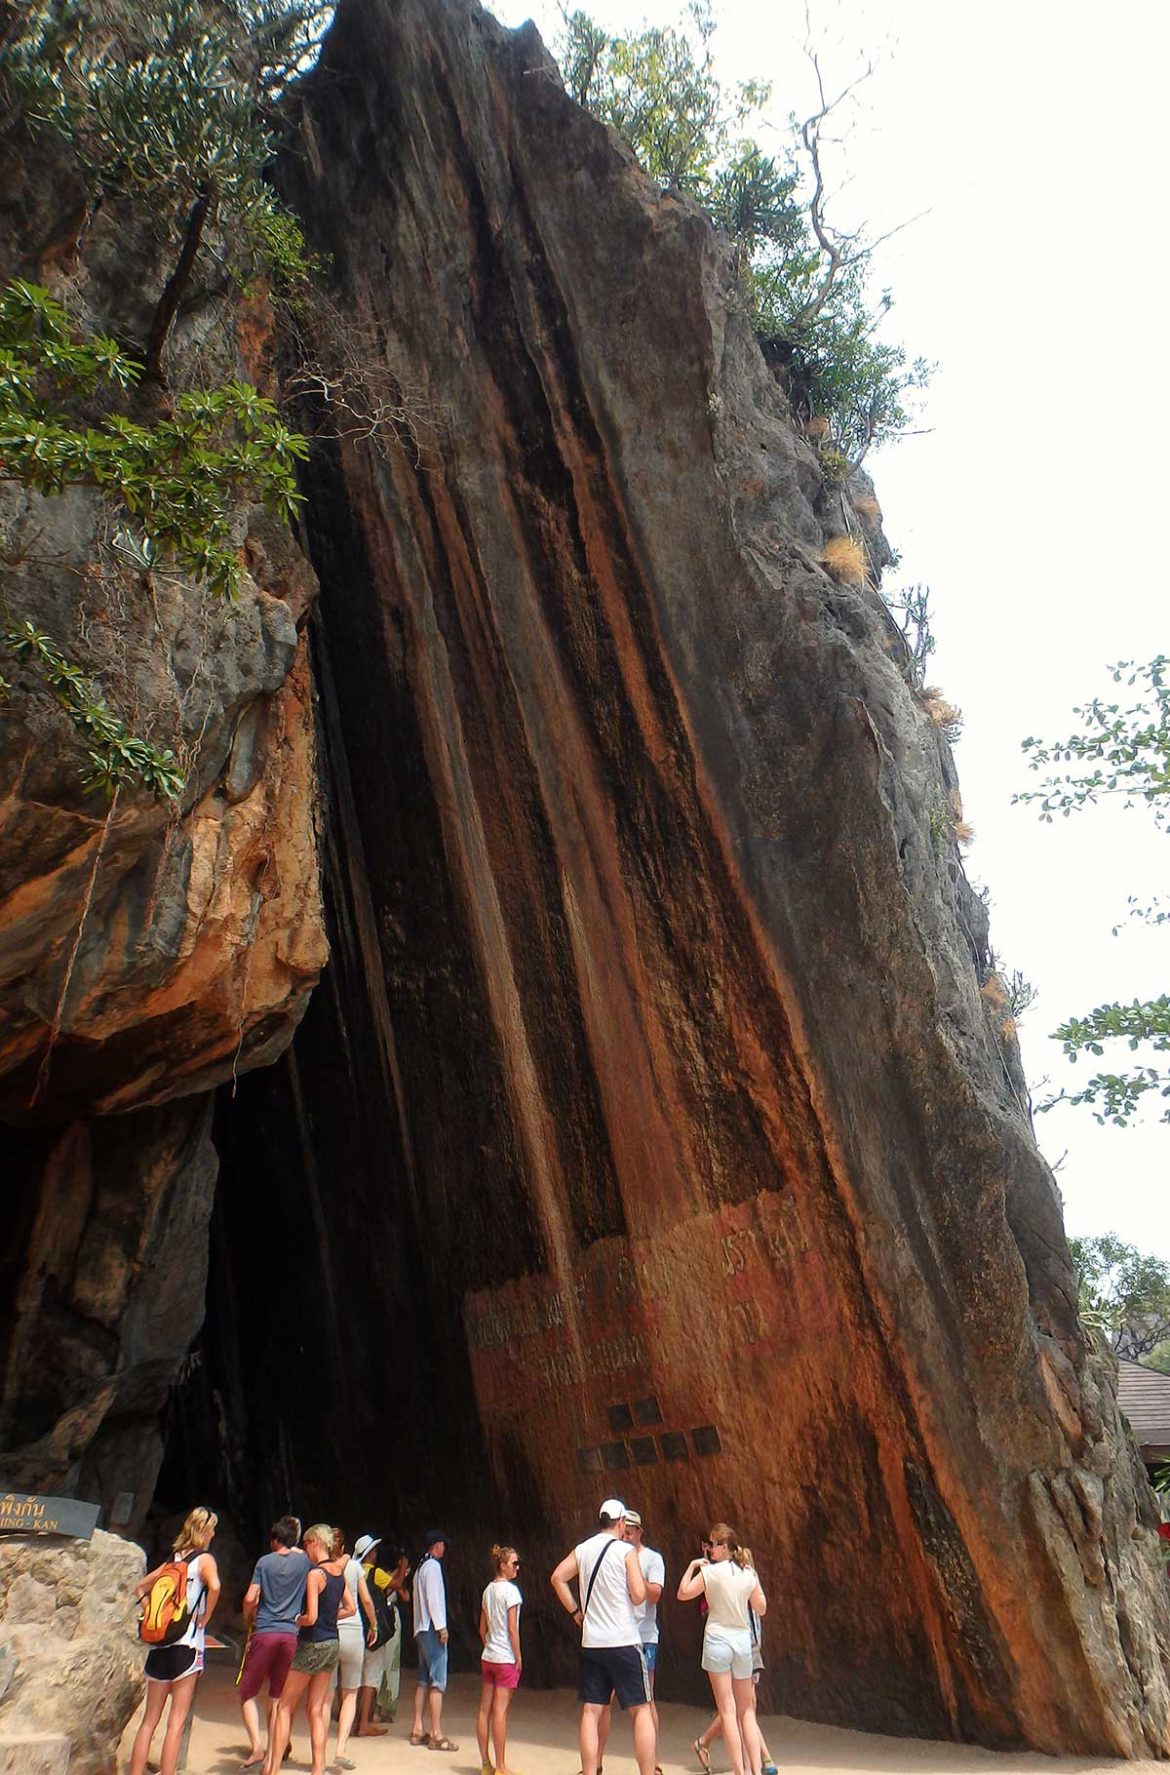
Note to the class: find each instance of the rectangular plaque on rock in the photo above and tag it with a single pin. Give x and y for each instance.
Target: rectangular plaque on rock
(24, 1514)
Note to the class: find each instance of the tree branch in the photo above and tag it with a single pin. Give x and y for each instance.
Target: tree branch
(176, 284)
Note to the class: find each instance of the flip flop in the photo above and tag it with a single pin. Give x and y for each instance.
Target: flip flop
(703, 1754)
(419, 1738)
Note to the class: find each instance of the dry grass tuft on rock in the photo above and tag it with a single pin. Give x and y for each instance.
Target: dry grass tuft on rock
(868, 509)
(964, 832)
(946, 717)
(844, 557)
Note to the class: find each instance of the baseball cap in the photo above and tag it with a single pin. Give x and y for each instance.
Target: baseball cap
(613, 1508)
(633, 1518)
(363, 1544)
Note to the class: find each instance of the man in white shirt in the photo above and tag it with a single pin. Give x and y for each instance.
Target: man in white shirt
(610, 1587)
(654, 1575)
(430, 1633)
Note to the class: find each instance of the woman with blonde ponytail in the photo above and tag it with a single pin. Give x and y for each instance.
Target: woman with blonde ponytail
(499, 1629)
(172, 1669)
(733, 1591)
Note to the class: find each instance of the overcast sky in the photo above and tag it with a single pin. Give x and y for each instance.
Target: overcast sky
(1034, 506)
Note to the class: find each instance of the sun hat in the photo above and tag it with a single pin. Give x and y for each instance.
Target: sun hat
(633, 1518)
(363, 1544)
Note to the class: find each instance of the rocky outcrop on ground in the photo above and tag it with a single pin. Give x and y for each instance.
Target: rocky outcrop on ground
(70, 1659)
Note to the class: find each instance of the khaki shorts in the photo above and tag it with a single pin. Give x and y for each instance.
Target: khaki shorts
(315, 1655)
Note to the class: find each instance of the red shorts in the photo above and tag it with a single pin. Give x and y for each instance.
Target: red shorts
(269, 1655)
(500, 1676)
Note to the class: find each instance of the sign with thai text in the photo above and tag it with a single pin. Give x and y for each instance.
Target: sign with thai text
(22, 1514)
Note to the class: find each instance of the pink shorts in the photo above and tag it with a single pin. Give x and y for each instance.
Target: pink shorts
(269, 1656)
(500, 1676)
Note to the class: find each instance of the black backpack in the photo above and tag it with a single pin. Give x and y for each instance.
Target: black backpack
(385, 1604)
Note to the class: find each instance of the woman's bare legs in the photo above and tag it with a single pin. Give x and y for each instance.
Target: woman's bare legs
(345, 1718)
(744, 1690)
(481, 1723)
(725, 1701)
(317, 1705)
(182, 1696)
(501, 1702)
(295, 1684)
(156, 1700)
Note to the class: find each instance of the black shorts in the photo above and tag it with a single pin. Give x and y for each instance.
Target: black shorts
(166, 1664)
(614, 1670)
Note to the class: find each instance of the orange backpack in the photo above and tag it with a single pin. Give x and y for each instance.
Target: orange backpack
(165, 1614)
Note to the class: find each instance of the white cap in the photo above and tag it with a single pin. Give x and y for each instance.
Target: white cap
(363, 1544)
(613, 1508)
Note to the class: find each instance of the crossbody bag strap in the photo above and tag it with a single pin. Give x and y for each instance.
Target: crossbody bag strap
(593, 1575)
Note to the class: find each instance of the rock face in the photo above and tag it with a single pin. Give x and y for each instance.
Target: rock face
(70, 1660)
(148, 950)
(668, 1109)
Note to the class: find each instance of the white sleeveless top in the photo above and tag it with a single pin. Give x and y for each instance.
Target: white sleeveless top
(609, 1619)
(353, 1624)
(192, 1635)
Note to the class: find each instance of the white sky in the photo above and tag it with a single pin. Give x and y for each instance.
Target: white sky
(1034, 508)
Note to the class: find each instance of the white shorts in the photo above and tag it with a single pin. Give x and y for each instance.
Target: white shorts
(349, 1664)
(377, 1663)
(728, 1649)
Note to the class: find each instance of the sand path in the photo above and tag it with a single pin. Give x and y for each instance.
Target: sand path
(542, 1740)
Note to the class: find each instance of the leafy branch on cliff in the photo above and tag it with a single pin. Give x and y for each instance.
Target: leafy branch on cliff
(116, 756)
(1121, 749)
(805, 281)
(170, 107)
(176, 480)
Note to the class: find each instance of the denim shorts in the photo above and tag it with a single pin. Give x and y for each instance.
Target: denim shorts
(432, 1659)
(728, 1649)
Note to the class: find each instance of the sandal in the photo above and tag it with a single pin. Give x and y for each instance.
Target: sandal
(420, 1738)
(701, 1751)
(442, 1744)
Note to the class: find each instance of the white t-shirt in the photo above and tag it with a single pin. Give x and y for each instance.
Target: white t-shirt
(646, 1613)
(609, 1619)
(353, 1625)
(430, 1596)
(728, 1587)
(500, 1596)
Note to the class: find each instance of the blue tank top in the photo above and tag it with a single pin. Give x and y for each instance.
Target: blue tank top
(328, 1602)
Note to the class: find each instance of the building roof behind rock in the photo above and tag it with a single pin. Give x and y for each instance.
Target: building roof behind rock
(1144, 1396)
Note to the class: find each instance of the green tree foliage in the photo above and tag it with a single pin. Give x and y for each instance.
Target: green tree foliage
(1124, 1292)
(1121, 750)
(170, 106)
(175, 482)
(805, 284)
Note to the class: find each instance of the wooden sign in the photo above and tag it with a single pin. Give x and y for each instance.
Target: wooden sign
(23, 1514)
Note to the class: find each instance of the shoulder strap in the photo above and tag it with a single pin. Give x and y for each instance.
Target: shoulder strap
(614, 1542)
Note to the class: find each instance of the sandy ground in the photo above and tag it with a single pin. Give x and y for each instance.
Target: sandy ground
(542, 1740)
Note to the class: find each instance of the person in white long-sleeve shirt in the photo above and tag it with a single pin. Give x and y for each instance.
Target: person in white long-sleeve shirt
(430, 1632)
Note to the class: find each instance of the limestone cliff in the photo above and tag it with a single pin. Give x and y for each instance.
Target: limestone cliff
(648, 1132)
(719, 1185)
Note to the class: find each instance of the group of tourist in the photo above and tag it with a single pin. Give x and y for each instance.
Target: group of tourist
(322, 1620)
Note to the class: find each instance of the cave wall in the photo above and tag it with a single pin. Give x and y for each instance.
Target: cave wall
(720, 1173)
